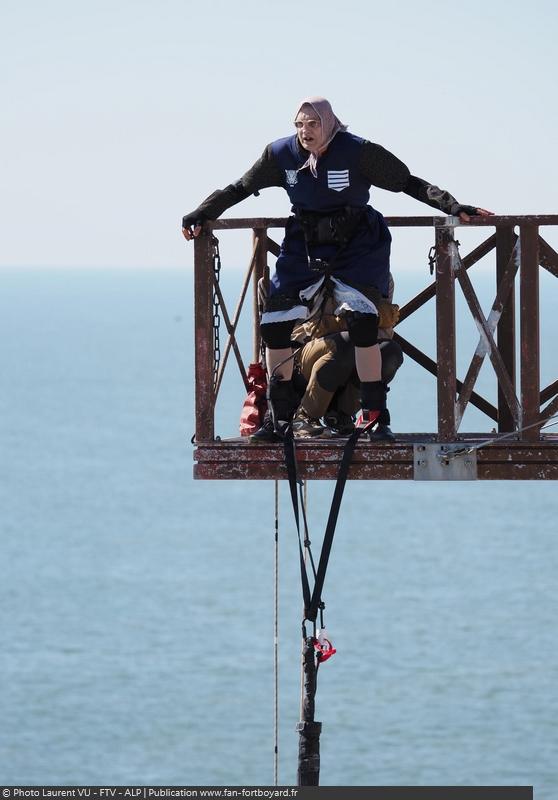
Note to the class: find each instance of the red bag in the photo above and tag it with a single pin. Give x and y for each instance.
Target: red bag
(255, 405)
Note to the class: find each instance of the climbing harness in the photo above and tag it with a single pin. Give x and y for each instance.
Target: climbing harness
(331, 227)
(336, 227)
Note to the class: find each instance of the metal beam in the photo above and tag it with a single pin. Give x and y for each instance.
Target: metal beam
(319, 460)
(530, 356)
(505, 330)
(203, 337)
(445, 334)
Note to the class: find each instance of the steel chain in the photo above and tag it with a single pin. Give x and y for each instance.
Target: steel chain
(216, 256)
(432, 257)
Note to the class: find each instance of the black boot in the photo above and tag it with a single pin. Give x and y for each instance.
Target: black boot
(339, 424)
(373, 399)
(382, 432)
(266, 433)
(282, 401)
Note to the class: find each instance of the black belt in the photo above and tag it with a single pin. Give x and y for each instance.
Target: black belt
(333, 227)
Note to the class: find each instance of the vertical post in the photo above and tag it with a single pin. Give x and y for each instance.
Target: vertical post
(530, 356)
(260, 271)
(203, 337)
(445, 334)
(309, 730)
(505, 240)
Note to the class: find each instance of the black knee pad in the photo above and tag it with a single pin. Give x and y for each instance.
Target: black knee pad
(392, 358)
(363, 328)
(333, 374)
(277, 335)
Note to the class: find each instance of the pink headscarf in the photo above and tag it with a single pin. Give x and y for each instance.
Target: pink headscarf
(330, 126)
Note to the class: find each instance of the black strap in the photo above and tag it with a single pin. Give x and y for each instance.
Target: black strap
(313, 602)
(290, 462)
(332, 522)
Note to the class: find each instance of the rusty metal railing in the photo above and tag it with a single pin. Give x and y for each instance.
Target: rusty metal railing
(519, 248)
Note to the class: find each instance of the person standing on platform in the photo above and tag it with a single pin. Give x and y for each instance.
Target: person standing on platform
(333, 233)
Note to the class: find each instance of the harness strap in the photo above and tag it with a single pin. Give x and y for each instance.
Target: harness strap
(313, 601)
(290, 462)
(348, 451)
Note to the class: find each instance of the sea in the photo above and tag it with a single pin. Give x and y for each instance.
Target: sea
(137, 605)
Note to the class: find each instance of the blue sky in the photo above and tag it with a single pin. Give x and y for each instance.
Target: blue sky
(120, 116)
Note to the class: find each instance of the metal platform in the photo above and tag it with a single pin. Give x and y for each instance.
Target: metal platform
(415, 456)
(506, 330)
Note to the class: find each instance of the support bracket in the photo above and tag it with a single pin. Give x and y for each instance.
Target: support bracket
(444, 462)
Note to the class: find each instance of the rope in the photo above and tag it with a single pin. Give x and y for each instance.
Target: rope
(463, 451)
(303, 494)
(276, 643)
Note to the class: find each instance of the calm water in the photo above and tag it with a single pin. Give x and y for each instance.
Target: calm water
(136, 635)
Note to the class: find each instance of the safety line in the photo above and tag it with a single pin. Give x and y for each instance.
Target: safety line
(463, 451)
(276, 642)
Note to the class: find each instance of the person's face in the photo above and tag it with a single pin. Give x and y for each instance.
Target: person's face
(309, 129)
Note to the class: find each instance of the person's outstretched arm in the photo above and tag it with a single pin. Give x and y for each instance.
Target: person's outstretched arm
(265, 172)
(441, 199)
(386, 171)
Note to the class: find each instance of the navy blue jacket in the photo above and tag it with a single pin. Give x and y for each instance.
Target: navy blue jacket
(339, 182)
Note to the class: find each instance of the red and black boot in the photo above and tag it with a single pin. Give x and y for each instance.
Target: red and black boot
(374, 409)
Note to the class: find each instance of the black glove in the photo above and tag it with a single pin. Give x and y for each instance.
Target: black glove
(457, 208)
(191, 220)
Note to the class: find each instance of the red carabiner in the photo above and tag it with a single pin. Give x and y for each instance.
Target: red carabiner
(323, 647)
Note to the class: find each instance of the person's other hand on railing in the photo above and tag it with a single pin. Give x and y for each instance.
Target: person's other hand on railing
(466, 212)
(191, 227)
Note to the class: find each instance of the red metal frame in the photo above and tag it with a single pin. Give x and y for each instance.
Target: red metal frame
(533, 456)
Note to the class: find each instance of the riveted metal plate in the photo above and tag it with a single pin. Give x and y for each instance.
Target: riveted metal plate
(444, 462)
